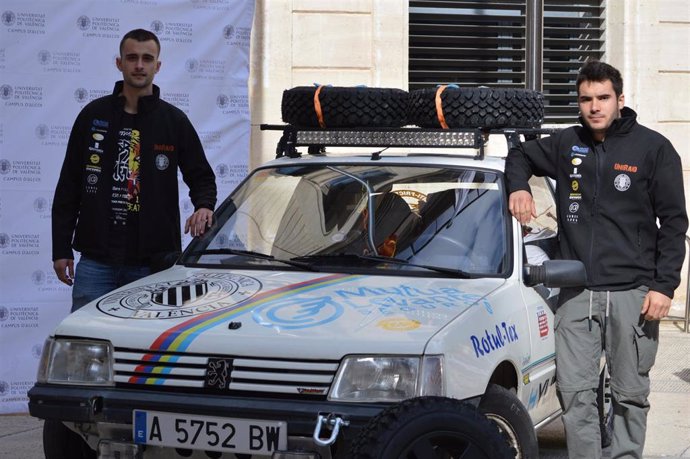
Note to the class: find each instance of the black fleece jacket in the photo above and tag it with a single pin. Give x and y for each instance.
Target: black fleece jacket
(81, 213)
(609, 197)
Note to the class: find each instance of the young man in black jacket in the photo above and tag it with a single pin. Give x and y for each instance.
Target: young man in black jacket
(615, 180)
(116, 200)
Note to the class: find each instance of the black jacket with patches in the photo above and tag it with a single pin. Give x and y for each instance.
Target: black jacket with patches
(81, 213)
(609, 197)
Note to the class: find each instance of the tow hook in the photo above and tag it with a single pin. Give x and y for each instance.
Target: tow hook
(331, 421)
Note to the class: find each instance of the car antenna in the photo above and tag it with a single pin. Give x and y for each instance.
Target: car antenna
(375, 156)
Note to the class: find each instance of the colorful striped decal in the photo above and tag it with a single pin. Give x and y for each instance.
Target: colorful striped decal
(538, 362)
(179, 337)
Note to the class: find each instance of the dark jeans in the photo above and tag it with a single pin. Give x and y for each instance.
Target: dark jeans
(93, 279)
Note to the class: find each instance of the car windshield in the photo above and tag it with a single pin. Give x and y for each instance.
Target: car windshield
(361, 218)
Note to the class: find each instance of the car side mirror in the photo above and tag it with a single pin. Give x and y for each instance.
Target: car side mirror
(556, 273)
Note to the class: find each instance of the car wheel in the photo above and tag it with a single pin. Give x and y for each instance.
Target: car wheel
(489, 108)
(427, 427)
(59, 442)
(502, 406)
(344, 107)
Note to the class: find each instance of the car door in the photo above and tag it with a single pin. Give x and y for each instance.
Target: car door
(540, 243)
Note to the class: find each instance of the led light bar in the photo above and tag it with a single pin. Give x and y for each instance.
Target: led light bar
(470, 138)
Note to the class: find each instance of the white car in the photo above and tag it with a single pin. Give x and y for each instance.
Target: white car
(374, 305)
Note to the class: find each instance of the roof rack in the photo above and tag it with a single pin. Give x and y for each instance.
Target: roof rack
(316, 139)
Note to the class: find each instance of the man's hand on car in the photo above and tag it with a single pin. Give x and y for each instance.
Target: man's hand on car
(198, 222)
(521, 205)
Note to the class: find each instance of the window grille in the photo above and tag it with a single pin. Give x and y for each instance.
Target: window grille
(482, 43)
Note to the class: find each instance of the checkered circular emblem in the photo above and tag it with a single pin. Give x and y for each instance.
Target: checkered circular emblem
(181, 298)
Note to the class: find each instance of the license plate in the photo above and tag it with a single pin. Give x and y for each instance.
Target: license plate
(245, 436)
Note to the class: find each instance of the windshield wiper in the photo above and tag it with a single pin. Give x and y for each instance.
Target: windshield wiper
(345, 257)
(252, 254)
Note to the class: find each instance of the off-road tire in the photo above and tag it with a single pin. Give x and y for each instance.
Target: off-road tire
(427, 427)
(503, 407)
(345, 107)
(59, 442)
(487, 108)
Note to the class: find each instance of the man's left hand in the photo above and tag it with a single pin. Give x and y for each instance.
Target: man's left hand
(198, 222)
(655, 306)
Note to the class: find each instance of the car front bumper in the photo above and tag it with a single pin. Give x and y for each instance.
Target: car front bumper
(88, 404)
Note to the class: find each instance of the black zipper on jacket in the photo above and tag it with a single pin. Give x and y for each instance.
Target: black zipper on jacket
(593, 212)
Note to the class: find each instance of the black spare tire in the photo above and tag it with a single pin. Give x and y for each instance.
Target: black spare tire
(59, 442)
(489, 108)
(426, 427)
(344, 107)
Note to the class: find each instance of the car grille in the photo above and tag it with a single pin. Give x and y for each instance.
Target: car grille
(225, 374)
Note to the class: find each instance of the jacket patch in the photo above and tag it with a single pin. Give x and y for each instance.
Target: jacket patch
(572, 216)
(622, 182)
(577, 150)
(163, 147)
(625, 168)
(96, 147)
(162, 162)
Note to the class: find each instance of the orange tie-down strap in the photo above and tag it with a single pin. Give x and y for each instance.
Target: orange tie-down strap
(317, 107)
(439, 107)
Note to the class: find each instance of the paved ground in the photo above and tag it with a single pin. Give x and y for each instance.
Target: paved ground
(668, 433)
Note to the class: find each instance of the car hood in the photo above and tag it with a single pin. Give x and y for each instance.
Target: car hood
(277, 313)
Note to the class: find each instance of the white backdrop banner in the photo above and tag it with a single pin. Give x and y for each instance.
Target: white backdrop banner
(55, 57)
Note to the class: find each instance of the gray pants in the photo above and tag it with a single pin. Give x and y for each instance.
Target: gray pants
(630, 344)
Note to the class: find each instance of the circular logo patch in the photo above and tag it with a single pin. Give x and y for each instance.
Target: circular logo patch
(180, 298)
(83, 22)
(576, 161)
(622, 182)
(162, 162)
(44, 57)
(41, 131)
(6, 91)
(92, 179)
(40, 204)
(574, 207)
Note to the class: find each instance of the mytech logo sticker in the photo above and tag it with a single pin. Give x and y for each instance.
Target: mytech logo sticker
(180, 298)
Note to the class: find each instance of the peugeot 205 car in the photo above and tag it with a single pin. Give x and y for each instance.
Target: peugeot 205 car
(348, 305)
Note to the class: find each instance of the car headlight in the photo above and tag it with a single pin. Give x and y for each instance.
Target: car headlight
(387, 378)
(76, 361)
